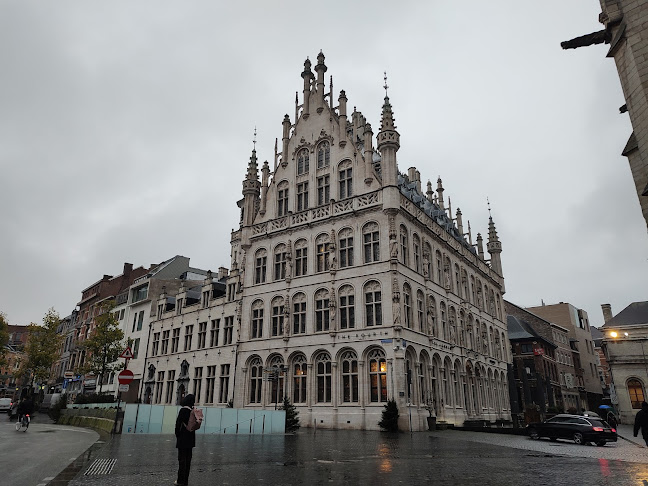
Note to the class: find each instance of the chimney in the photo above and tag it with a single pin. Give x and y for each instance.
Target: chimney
(607, 312)
(222, 273)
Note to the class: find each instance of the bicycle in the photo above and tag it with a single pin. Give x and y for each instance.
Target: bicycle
(23, 424)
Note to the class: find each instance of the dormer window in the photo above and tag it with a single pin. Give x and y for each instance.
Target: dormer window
(302, 161)
(323, 155)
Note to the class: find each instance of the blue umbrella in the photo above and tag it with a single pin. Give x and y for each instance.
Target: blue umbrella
(605, 406)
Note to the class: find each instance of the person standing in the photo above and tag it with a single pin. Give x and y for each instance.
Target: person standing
(641, 422)
(185, 440)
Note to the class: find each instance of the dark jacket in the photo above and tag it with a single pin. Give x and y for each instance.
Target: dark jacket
(641, 421)
(184, 438)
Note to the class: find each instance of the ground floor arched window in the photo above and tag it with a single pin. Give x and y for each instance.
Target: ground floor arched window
(256, 380)
(378, 376)
(636, 392)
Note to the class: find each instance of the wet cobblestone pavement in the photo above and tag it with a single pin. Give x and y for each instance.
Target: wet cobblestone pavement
(362, 457)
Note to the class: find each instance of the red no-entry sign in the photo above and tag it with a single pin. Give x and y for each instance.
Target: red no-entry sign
(125, 377)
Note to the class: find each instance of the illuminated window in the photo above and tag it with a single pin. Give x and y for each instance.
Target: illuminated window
(378, 376)
(636, 392)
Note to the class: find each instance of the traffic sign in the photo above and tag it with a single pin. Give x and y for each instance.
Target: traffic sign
(123, 388)
(128, 353)
(125, 377)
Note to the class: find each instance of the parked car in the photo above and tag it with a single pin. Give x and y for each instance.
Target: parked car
(6, 404)
(578, 428)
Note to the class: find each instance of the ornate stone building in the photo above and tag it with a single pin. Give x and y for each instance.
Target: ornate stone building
(349, 285)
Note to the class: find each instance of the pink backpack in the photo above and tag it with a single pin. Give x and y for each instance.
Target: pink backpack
(195, 419)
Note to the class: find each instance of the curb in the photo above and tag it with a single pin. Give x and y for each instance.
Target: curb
(73, 469)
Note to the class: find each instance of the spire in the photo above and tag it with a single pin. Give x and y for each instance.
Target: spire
(252, 171)
(387, 121)
(320, 69)
(307, 74)
(460, 223)
(494, 246)
(251, 189)
(388, 143)
(480, 246)
(430, 192)
(440, 192)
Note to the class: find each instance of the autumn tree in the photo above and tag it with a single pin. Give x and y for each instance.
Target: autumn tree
(42, 348)
(104, 346)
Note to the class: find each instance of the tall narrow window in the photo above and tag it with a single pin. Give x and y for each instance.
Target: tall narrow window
(224, 383)
(156, 344)
(299, 313)
(371, 242)
(323, 189)
(346, 180)
(277, 391)
(420, 312)
(197, 383)
(346, 248)
(159, 387)
(211, 384)
(416, 242)
(257, 319)
(214, 332)
(349, 377)
(322, 251)
(323, 155)
(170, 386)
(282, 199)
(175, 340)
(323, 366)
(188, 337)
(277, 316)
(301, 258)
(260, 266)
(377, 376)
(302, 196)
(256, 380)
(165, 341)
(347, 308)
(302, 161)
(373, 305)
(228, 330)
(322, 322)
(404, 246)
(202, 334)
(407, 304)
(439, 268)
(280, 262)
(299, 379)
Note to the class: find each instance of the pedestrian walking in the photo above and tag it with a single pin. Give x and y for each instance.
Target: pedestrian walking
(185, 440)
(641, 422)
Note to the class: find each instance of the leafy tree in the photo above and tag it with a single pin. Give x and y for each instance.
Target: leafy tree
(104, 346)
(390, 416)
(42, 348)
(292, 415)
(4, 337)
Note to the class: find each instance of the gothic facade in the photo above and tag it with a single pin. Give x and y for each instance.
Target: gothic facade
(349, 285)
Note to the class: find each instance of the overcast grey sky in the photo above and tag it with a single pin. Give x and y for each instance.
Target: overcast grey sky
(126, 127)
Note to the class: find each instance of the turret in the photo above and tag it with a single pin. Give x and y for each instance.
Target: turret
(308, 76)
(480, 246)
(285, 138)
(440, 193)
(265, 174)
(388, 143)
(320, 69)
(494, 247)
(368, 155)
(430, 192)
(342, 100)
(460, 223)
(251, 191)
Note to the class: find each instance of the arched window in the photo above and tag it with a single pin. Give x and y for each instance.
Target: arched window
(349, 377)
(302, 161)
(404, 246)
(282, 199)
(407, 304)
(280, 262)
(346, 179)
(377, 376)
(277, 316)
(636, 392)
(416, 242)
(452, 320)
(347, 307)
(373, 304)
(444, 324)
(323, 154)
(322, 319)
(260, 265)
(462, 328)
(420, 311)
(301, 258)
(276, 394)
(256, 380)
(299, 313)
(299, 369)
(323, 367)
(439, 268)
(371, 242)
(473, 290)
(445, 371)
(346, 247)
(322, 247)
(257, 320)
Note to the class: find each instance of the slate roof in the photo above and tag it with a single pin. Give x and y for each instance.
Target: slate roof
(411, 192)
(516, 330)
(635, 313)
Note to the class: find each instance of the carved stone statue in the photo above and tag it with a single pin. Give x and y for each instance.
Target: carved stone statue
(426, 264)
(393, 248)
(289, 265)
(430, 322)
(332, 260)
(397, 313)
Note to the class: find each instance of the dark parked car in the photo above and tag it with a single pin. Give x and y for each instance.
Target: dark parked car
(578, 428)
